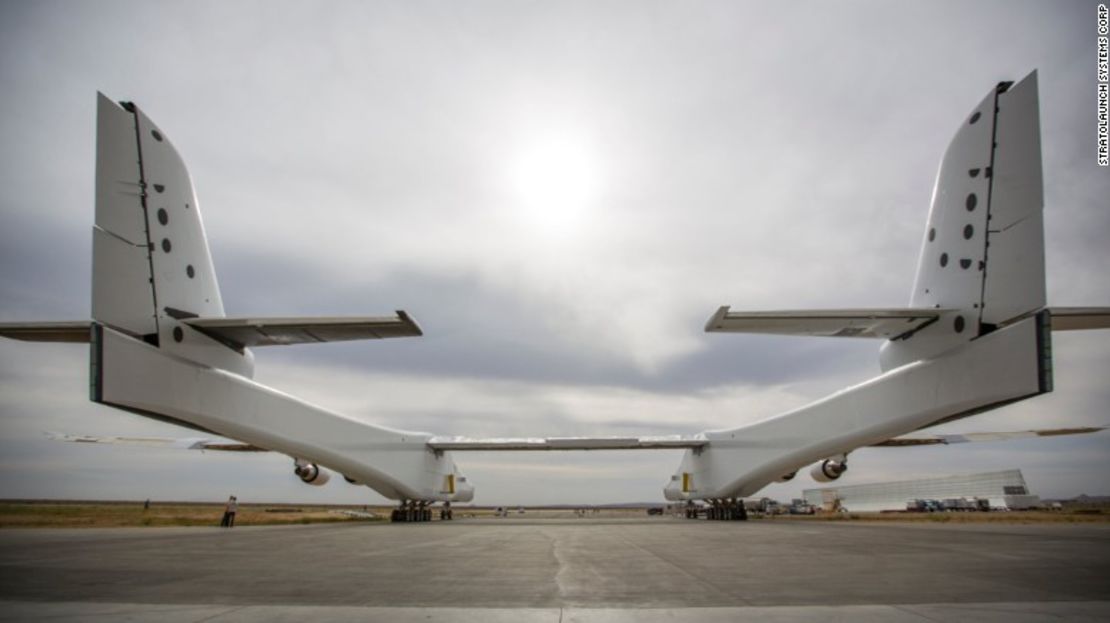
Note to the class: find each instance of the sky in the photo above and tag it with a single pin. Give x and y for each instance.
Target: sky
(561, 194)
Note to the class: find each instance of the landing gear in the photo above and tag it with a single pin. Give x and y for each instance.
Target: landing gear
(419, 511)
(691, 510)
(719, 510)
(445, 513)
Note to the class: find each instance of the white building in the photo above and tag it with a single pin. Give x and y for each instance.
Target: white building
(1004, 489)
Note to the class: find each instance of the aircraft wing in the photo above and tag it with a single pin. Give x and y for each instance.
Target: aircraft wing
(1078, 318)
(874, 323)
(565, 443)
(930, 440)
(76, 331)
(186, 443)
(241, 332)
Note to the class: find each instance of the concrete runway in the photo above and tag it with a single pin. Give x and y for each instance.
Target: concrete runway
(547, 570)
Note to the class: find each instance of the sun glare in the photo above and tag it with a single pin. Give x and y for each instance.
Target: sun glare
(556, 182)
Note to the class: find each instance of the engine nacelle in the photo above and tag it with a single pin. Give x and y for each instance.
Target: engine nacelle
(311, 473)
(828, 470)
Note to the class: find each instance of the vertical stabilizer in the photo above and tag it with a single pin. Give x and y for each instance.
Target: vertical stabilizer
(151, 264)
(983, 252)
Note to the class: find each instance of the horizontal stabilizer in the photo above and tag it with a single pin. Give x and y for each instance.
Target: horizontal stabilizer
(284, 331)
(931, 440)
(76, 331)
(876, 323)
(1079, 318)
(567, 443)
(185, 443)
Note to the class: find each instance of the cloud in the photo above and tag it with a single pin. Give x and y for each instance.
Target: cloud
(352, 159)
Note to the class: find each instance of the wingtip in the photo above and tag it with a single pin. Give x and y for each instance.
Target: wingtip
(715, 322)
(411, 322)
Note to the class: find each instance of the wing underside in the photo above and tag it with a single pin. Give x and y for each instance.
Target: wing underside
(73, 332)
(242, 332)
(887, 324)
(493, 444)
(182, 443)
(565, 443)
(284, 331)
(1079, 318)
(872, 323)
(932, 440)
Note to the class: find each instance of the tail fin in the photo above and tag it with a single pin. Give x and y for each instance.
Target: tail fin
(983, 252)
(982, 260)
(151, 264)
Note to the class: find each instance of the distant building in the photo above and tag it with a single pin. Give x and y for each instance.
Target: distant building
(1004, 489)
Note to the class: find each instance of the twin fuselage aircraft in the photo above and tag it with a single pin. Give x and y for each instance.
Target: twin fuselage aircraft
(975, 336)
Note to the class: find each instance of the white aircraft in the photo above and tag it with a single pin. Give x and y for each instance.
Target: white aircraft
(976, 335)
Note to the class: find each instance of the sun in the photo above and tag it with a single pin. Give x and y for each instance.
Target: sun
(556, 181)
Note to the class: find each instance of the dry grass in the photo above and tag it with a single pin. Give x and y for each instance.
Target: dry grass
(132, 514)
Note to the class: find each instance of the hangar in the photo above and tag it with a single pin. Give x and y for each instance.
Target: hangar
(1004, 489)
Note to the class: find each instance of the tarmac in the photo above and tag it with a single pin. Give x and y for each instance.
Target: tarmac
(590, 570)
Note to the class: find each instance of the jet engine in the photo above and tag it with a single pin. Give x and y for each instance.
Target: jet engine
(311, 473)
(828, 470)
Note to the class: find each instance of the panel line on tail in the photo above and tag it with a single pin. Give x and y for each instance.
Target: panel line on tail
(143, 196)
(981, 328)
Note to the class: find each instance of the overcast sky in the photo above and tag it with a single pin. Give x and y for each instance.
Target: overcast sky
(561, 194)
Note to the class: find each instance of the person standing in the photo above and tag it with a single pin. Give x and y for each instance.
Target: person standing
(229, 512)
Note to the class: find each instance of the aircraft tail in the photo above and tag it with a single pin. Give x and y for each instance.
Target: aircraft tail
(152, 269)
(981, 265)
(982, 257)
